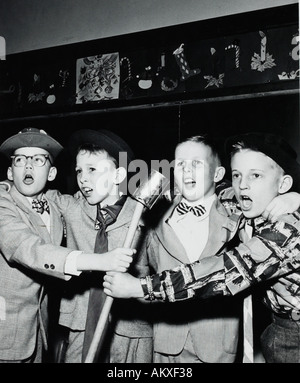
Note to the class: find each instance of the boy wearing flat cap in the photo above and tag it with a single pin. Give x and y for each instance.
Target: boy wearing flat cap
(31, 231)
(98, 217)
(263, 166)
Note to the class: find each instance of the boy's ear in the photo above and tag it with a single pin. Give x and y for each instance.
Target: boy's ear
(120, 175)
(52, 173)
(10, 176)
(285, 184)
(219, 173)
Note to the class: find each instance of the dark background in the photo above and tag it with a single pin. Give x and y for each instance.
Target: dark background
(153, 132)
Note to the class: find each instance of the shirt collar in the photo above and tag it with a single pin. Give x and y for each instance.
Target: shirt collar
(30, 199)
(206, 202)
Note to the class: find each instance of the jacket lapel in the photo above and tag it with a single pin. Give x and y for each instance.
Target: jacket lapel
(125, 215)
(222, 228)
(32, 217)
(218, 233)
(56, 224)
(90, 210)
(168, 238)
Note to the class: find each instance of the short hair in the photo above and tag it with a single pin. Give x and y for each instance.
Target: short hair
(95, 149)
(206, 140)
(241, 145)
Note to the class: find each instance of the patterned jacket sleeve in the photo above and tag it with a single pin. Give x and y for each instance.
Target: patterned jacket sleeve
(273, 251)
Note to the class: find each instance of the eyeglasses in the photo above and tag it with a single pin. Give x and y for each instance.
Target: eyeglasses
(39, 160)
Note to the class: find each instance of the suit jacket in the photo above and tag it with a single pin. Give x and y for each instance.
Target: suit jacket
(213, 324)
(27, 252)
(131, 316)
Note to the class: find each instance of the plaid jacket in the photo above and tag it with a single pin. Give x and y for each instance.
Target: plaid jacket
(271, 255)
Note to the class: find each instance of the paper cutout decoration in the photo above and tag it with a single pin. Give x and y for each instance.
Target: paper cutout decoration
(51, 97)
(184, 67)
(97, 78)
(125, 87)
(63, 74)
(264, 60)
(167, 84)
(213, 81)
(289, 74)
(235, 46)
(37, 94)
(9, 90)
(295, 51)
(145, 78)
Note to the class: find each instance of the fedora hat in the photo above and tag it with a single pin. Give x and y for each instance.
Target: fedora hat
(31, 137)
(105, 139)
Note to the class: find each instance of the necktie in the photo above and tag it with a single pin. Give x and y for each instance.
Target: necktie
(40, 206)
(105, 217)
(184, 208)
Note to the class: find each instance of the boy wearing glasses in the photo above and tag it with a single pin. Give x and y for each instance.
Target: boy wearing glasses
(31, 231)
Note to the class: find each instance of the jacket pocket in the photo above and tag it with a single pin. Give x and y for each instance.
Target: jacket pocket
(8, 328)
(231, 335)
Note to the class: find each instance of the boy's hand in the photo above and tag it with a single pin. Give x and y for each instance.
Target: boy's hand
(122, 285)
(118, 259)
(282, 204)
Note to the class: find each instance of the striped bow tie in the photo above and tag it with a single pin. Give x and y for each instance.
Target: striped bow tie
(184, 208)
(40, 206)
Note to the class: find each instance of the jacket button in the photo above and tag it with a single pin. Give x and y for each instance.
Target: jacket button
(46, 266)
(52, 267)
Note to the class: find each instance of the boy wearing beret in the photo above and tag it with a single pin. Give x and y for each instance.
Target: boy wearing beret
(99, 215)
(31, 231)
(263, 167)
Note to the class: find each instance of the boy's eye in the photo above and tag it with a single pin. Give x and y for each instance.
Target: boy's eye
(78, 171)
(197, 163)
(19, 160)
(235, 175)
(92, 169)
(179, 163)
(38, 160)
(256, 175)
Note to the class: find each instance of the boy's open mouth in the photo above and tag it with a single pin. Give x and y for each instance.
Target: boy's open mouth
(28, 179)
(189, 182)
(245, 202)
(86, 191)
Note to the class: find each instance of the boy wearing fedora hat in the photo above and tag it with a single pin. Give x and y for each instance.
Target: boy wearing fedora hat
(263, 167)
(98, 217)
(31, 231)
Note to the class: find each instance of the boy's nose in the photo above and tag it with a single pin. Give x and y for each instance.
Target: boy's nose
(244, 183)
(82, 178)
(187, 167)
(29, 163)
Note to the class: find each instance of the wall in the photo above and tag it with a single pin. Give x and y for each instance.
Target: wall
(33, 24)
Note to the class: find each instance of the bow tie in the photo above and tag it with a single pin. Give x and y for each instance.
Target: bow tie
(183, 208)
(40, 206)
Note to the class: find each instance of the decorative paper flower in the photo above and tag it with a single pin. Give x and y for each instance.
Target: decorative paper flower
(259, 65)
